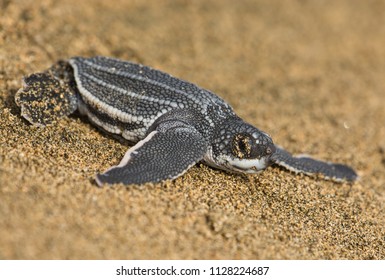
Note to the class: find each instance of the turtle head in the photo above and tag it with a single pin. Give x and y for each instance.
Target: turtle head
(240, 147)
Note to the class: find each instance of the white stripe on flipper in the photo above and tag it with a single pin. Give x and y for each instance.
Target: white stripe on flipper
(291, 168)
(127, 156)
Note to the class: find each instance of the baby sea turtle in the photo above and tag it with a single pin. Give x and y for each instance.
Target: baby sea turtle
(174, 123)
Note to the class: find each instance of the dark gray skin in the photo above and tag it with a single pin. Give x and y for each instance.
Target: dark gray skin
(174, 123)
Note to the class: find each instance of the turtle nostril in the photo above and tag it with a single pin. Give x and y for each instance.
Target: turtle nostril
(270, 149)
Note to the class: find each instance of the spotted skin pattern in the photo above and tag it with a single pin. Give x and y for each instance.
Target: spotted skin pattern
(174, 123)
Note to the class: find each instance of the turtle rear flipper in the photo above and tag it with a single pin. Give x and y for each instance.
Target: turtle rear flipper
(166, 153)
(309, 166)
(45, 98)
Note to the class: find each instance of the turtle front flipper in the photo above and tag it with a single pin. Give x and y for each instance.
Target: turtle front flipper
(166, 153)
(48, 96)
(309, 166)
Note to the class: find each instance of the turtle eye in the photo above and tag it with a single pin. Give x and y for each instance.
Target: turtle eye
(241, 145)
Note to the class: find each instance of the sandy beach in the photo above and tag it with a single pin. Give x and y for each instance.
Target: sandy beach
(310, 73)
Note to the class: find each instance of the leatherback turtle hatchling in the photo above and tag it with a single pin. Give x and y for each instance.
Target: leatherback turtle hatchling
(174, 123)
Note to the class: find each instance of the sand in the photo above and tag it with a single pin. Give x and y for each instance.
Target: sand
(310, 73)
